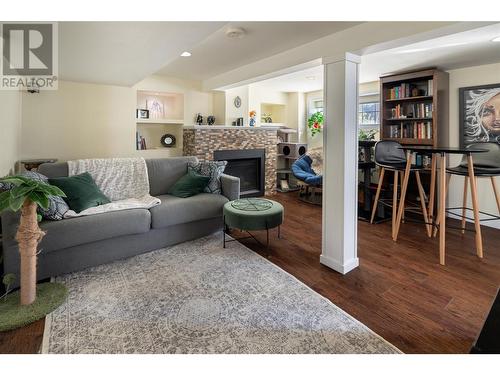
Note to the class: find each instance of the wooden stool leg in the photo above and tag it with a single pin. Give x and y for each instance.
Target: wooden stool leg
(403, 196)
(422, 202)
(464, 204)
(379, 187)
(394, 201)
(475, 207)
(432, 191)
(496, 192)
(447, 188)
(403, 217)
(442, 210)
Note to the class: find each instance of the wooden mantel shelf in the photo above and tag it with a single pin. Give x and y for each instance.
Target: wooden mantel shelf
(224, 127)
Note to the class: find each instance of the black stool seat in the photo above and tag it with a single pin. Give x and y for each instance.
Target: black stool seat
(486, 164)
(478, 171)
(399, 166)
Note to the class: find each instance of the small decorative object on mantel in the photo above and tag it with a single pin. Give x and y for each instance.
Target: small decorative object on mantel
(168, 140)
(252, 118)
(199, 119)
(479, 108)
(237, 102)
(142, 113)
(266, 117)
(210, 120)
(315, 123)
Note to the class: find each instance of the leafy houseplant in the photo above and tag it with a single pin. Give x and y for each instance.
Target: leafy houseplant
(315, 123)
(367, 135)
(26, 195)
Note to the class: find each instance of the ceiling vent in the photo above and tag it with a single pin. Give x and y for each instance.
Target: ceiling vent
(235, 33)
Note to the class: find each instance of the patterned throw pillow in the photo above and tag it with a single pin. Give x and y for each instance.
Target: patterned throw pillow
(212, 169)
(57, 206)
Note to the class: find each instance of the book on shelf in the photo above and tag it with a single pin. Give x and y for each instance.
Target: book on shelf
(410, 90)
(417, 130)
(140, 142)
(412, 110)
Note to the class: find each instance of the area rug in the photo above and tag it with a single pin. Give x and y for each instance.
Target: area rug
(197, 297)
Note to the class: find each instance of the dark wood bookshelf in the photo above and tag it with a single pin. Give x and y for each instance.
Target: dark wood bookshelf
(415, 93)
(410, 98)
(403, 119)
(411, 141)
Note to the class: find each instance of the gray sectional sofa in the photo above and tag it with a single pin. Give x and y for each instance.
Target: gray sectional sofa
(77, 243)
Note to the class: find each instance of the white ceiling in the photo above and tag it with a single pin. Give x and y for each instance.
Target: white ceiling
(469, 48)
(218, 53)
(302, 81)
(123, 53)
(454, 51)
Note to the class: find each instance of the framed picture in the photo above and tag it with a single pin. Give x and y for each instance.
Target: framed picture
(479, 114)
(142, 113)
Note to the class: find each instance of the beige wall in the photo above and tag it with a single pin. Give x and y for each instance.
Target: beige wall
(10, 112)
(296, 116)
(257, 95)
(81, 120)
(477, 75)
(219, 107)
(232, 113)
(78, 120)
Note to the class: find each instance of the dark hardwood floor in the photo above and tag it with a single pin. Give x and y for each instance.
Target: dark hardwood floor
(399, 290)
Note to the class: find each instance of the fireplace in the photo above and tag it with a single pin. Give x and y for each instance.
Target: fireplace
(249, 166)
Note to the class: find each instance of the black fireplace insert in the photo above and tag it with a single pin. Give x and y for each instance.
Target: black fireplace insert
(249, 166)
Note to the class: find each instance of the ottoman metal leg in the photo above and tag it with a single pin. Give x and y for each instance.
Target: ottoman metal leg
(224, 232)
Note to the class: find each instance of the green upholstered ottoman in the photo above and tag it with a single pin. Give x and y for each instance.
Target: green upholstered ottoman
(252, 214)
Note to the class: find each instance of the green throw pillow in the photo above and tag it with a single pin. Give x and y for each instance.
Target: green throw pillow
(188, 185)
(81, 191)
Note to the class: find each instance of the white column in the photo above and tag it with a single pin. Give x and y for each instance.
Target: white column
(340, 164)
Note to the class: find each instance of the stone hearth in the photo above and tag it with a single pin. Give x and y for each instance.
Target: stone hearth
(202, 141)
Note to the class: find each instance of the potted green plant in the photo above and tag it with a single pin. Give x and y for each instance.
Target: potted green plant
(367, 135)
(26, 195)
(315, 123)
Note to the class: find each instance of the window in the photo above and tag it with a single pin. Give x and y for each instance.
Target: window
(315, 105)
(369, 114)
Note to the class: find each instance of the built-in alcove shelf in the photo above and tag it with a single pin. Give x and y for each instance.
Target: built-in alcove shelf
(276, 112)
(165, 115)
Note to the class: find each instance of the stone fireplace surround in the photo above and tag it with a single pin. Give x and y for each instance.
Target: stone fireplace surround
(202, 140)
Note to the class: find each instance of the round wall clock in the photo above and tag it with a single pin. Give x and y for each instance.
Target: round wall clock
(237, 102)
(168, 140)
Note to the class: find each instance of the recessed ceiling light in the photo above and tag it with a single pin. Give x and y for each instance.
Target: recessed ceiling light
(497, 39)
(186, 54)
(311, 77)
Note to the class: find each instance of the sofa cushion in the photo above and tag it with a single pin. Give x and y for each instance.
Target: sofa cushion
(173, 210)
(85, 229)
(212, 169)
(188, 185)
(81, 191)
(163, 173)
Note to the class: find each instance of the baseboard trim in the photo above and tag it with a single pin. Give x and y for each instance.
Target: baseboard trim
(339, 267)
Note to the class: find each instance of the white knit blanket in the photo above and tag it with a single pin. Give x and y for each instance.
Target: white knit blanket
(123, 180)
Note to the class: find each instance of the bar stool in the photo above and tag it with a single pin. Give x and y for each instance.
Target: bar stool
(389, 156)
(486, 165)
